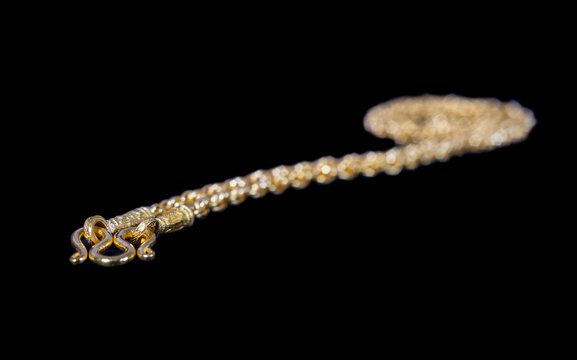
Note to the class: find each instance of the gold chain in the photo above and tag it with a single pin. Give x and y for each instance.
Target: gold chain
(426, 129)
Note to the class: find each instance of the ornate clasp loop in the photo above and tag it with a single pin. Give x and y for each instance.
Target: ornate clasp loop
(143, 237)
(95, 253)
(81, 253)
(97, 234)
(127, 255)
(95, 231)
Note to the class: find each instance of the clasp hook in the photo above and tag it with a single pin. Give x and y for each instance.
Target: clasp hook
(97, 234)
(127, 255)
(95, 230)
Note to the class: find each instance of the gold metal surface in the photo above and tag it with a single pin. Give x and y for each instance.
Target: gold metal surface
(81, 253)
(146, 233)
(130, 219)
(426, 129)
(127, 255)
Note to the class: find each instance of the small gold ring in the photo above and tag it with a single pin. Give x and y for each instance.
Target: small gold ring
(93, 229)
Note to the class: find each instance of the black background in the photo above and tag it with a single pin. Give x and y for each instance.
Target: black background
(138, 115)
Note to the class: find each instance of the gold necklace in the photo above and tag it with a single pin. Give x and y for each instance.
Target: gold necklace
(426, 129)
